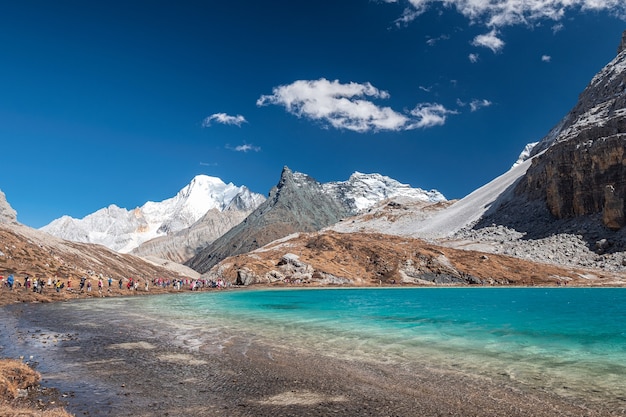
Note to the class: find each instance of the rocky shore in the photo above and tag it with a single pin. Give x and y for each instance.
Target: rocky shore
(21, 394)
(114, 366)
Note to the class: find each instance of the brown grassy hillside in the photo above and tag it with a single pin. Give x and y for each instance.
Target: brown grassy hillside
(374, 259)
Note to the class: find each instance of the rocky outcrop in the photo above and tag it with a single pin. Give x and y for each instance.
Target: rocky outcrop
(297, 204)
(7, 213)
(288, 270)
(613, 212)
(582, 169)
(185, 244)
(365, 259)
(622, 44)
(575, 179)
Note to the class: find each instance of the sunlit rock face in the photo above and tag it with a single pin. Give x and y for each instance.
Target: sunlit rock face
(7, 213)
(582, 169)
(299, 203)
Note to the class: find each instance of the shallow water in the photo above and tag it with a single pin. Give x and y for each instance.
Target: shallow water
(569, 341)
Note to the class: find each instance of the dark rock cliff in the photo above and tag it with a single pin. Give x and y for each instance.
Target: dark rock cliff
(582, 170)
(297, 204)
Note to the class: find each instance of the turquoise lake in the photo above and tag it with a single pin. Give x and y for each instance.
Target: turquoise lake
(571, 341)
(568, 340)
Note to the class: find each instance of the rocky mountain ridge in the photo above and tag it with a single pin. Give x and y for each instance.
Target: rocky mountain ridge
(579, 168)
(125, 230)
(366, 259)
(299, 203)
(564, 205)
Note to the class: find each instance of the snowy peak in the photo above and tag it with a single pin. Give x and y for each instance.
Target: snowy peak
(245, 200)
(299, 203)
(579, 168)
(365, 190)
(124, 230)
(525, 154)
(205, 191)
(601, 108)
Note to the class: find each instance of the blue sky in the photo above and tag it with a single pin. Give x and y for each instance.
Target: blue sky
(123, 102)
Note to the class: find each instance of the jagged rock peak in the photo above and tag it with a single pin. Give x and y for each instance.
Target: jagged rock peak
(583, 168)
(367, 189)
(287, 176)
(361, 191)
(622, 44)
(7, 213)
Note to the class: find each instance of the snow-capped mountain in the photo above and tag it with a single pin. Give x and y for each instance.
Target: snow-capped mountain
(579, 168)
(525, 154)
(363, 191)
(298, 203)
(123, 230)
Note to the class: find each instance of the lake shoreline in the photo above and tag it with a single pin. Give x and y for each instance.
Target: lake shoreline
(123, 369)
(49, 295)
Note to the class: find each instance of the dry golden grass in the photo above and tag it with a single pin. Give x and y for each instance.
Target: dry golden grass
(372, 258)
(16, 377)
(17, 411)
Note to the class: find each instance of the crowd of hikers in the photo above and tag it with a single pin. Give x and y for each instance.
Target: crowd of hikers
(106, 284)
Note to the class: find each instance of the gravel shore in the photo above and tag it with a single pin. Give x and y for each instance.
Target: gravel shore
(126, 370)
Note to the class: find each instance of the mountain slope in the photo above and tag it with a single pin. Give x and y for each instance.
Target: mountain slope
(186, 243)
(7, 213)
(582, 168)
(35, 253)
(564, 205)
(124, 230)
(355, 259)
(301, 204)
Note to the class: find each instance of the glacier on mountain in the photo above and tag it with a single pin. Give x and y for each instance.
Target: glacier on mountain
(363, 191)
(124, 230)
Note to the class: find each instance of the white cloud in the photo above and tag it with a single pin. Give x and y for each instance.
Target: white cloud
(557, 28)
(224, 118)
(349, 106)
(473, 58)
(434, 41)
(500, 13)
(546, 58)
(475, 104)
(244, 148)
(489, 40)
(429, 115)
(479, 104)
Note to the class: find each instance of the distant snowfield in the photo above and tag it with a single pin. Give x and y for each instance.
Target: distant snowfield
(419, 220)
(472, 207)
